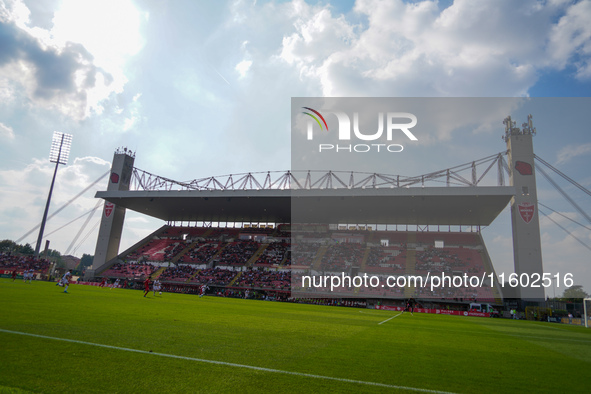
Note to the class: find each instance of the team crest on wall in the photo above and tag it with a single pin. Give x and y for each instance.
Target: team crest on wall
(526, 211)
(109, 206)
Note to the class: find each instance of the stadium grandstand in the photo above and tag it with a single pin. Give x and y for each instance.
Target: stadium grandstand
(264, 231)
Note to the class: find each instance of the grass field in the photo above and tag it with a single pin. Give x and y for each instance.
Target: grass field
(103, 340)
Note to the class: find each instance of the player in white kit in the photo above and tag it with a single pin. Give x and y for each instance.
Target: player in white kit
(66, 280)
(157, 286)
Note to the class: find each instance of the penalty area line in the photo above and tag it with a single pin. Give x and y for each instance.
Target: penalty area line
(227, 364)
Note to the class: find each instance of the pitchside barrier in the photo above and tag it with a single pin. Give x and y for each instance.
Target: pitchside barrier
(19, 274)
(87, 283)
(435, 311)
(574, 321)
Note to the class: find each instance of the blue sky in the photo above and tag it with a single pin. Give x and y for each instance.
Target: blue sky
(204, 88)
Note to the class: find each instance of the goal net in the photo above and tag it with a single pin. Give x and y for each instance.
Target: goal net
(587, 311)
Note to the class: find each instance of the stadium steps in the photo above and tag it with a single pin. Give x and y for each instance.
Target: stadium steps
(318, 258)
(363, 262)
(218, 253)
(190, 278)
(183, 252)
(256, 255)
(234, 279)
(283, 261)
(206, 233)
(120, 257)
(365, 257)
(158, 272)
(411, 261)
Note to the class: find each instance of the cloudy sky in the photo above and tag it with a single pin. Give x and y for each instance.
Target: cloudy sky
(204, 88)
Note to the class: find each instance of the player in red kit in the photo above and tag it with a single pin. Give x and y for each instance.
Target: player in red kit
(146, 286)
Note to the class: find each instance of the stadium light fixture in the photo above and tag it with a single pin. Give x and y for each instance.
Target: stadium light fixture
(58, 154)
(60, 148)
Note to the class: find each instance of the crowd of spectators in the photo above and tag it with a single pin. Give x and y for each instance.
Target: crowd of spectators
(14, 262)
(178, 273)
(390, 259)
(222, 247)
(303, 253)
(129, 270)
(172, 250)
(341, 256)
(214, 276)
(448, 260)
(202, 252)
(267, 279)
(237, 252)
(273, 254)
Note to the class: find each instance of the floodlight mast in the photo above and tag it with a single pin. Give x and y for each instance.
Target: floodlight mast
(60, 150)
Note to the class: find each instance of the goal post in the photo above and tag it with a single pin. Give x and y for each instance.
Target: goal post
(587, 311)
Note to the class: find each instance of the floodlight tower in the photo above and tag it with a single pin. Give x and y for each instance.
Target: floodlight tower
(58, 154)
(527, 245)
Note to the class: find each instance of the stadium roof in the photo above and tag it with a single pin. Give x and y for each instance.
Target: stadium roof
(478, 205)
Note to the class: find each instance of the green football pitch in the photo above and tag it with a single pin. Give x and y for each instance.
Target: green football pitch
(102, 340)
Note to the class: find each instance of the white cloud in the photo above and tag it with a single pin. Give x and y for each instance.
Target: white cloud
(571, 38)
(78, 63)
(470, 48)
(243, 67)
(134, 117)
(109, 30)
(318, 35)
(549, 222)
(6, 132)
(571, 151)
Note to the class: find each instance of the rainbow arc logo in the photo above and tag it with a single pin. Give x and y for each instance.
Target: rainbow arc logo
(315, 118)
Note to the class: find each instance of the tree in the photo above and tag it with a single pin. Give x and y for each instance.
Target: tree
(53, 253)
(575, 291)
(7, 246)
(26, 249)
(85, 261)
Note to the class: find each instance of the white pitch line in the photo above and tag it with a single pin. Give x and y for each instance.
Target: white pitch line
(390, 318)
(201, 360)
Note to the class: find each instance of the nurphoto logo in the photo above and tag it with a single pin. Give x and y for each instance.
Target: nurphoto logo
(394, 122)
